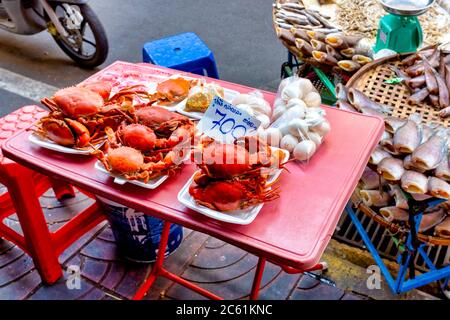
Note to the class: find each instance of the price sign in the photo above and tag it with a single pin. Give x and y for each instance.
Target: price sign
(224, 122)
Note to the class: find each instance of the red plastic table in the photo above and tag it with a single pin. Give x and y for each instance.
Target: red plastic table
(292, 231)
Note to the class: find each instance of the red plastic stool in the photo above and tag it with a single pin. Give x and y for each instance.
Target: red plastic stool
(24, 189)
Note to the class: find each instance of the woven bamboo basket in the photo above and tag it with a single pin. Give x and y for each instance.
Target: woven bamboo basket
(370, 79)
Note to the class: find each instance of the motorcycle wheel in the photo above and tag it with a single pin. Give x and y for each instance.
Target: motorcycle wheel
(75, 44)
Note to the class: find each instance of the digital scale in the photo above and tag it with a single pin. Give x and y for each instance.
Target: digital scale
(400, 30)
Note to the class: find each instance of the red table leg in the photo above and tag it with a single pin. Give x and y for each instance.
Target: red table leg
(158, 270)
(258, 277)
(37, 236)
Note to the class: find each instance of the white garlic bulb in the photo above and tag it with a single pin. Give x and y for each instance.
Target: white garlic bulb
(278, 112)
(298, 127)
(306, 85)
(292, 91)
(312, 99)
(247, 108)
(288, 142)
(304, 150)
(294, 112)
(296, 102)
(322, 128)
(265, 120)
(262, 107)
(315, 137)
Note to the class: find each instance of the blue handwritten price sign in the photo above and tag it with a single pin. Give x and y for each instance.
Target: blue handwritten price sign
(224, 122)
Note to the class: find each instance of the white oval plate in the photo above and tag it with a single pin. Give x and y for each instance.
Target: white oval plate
(151, 184)
(48, 144)
(229, 96)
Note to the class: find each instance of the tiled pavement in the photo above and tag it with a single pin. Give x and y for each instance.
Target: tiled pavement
(215, 265)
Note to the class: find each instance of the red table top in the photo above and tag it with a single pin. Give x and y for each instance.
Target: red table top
(292, 230)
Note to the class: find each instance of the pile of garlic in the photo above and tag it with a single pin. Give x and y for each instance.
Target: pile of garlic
(254, 104)
(298, 122)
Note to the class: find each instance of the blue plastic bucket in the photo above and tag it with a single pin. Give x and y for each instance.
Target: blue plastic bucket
(138, 235)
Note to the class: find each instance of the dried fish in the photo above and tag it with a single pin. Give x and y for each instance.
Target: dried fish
(371, 111)
(286, 36)
(361, 59)
(377, 155)
(438, 188)
(360, 100)
(332, 52)
(300, 33)
(430, 154)
(318, 45)
(430, 220)
(408, 137)
(416, 82)
(409, 165)
(391, 169)
(443, 228)
(370, 179)
(434, 100)
(346, 106)
(447, 75)
(349, 65)
(444, 113)
(419, 96)
(375, 198)
(324, 58)
(443, 90)
(400, 199)
(320, 18)
(414, 182)
(393, 123)
(394, 214)
(348, 53)
(430, 78)
(313, 34)
(443, 171)
(304, 46)
(388, 145)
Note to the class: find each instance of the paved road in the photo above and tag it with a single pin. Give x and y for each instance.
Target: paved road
(239, 32)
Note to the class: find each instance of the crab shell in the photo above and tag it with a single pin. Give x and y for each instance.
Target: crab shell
(174, 90)
(230, 195)
(246, 157)
(77, 102)
(156, 117)
(100, 87)
(138, 136)
(220, 195)
(125, 160)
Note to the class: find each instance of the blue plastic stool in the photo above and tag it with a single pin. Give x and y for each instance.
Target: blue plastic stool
(184, 52)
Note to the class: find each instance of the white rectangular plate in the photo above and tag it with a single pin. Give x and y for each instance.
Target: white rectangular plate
(151, 184)
(48, 144)
(229, 96)
(237, 217)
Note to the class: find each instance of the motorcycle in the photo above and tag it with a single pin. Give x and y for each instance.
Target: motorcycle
(72, 23)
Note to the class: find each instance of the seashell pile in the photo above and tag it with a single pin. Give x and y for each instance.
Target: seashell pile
(298, 122)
